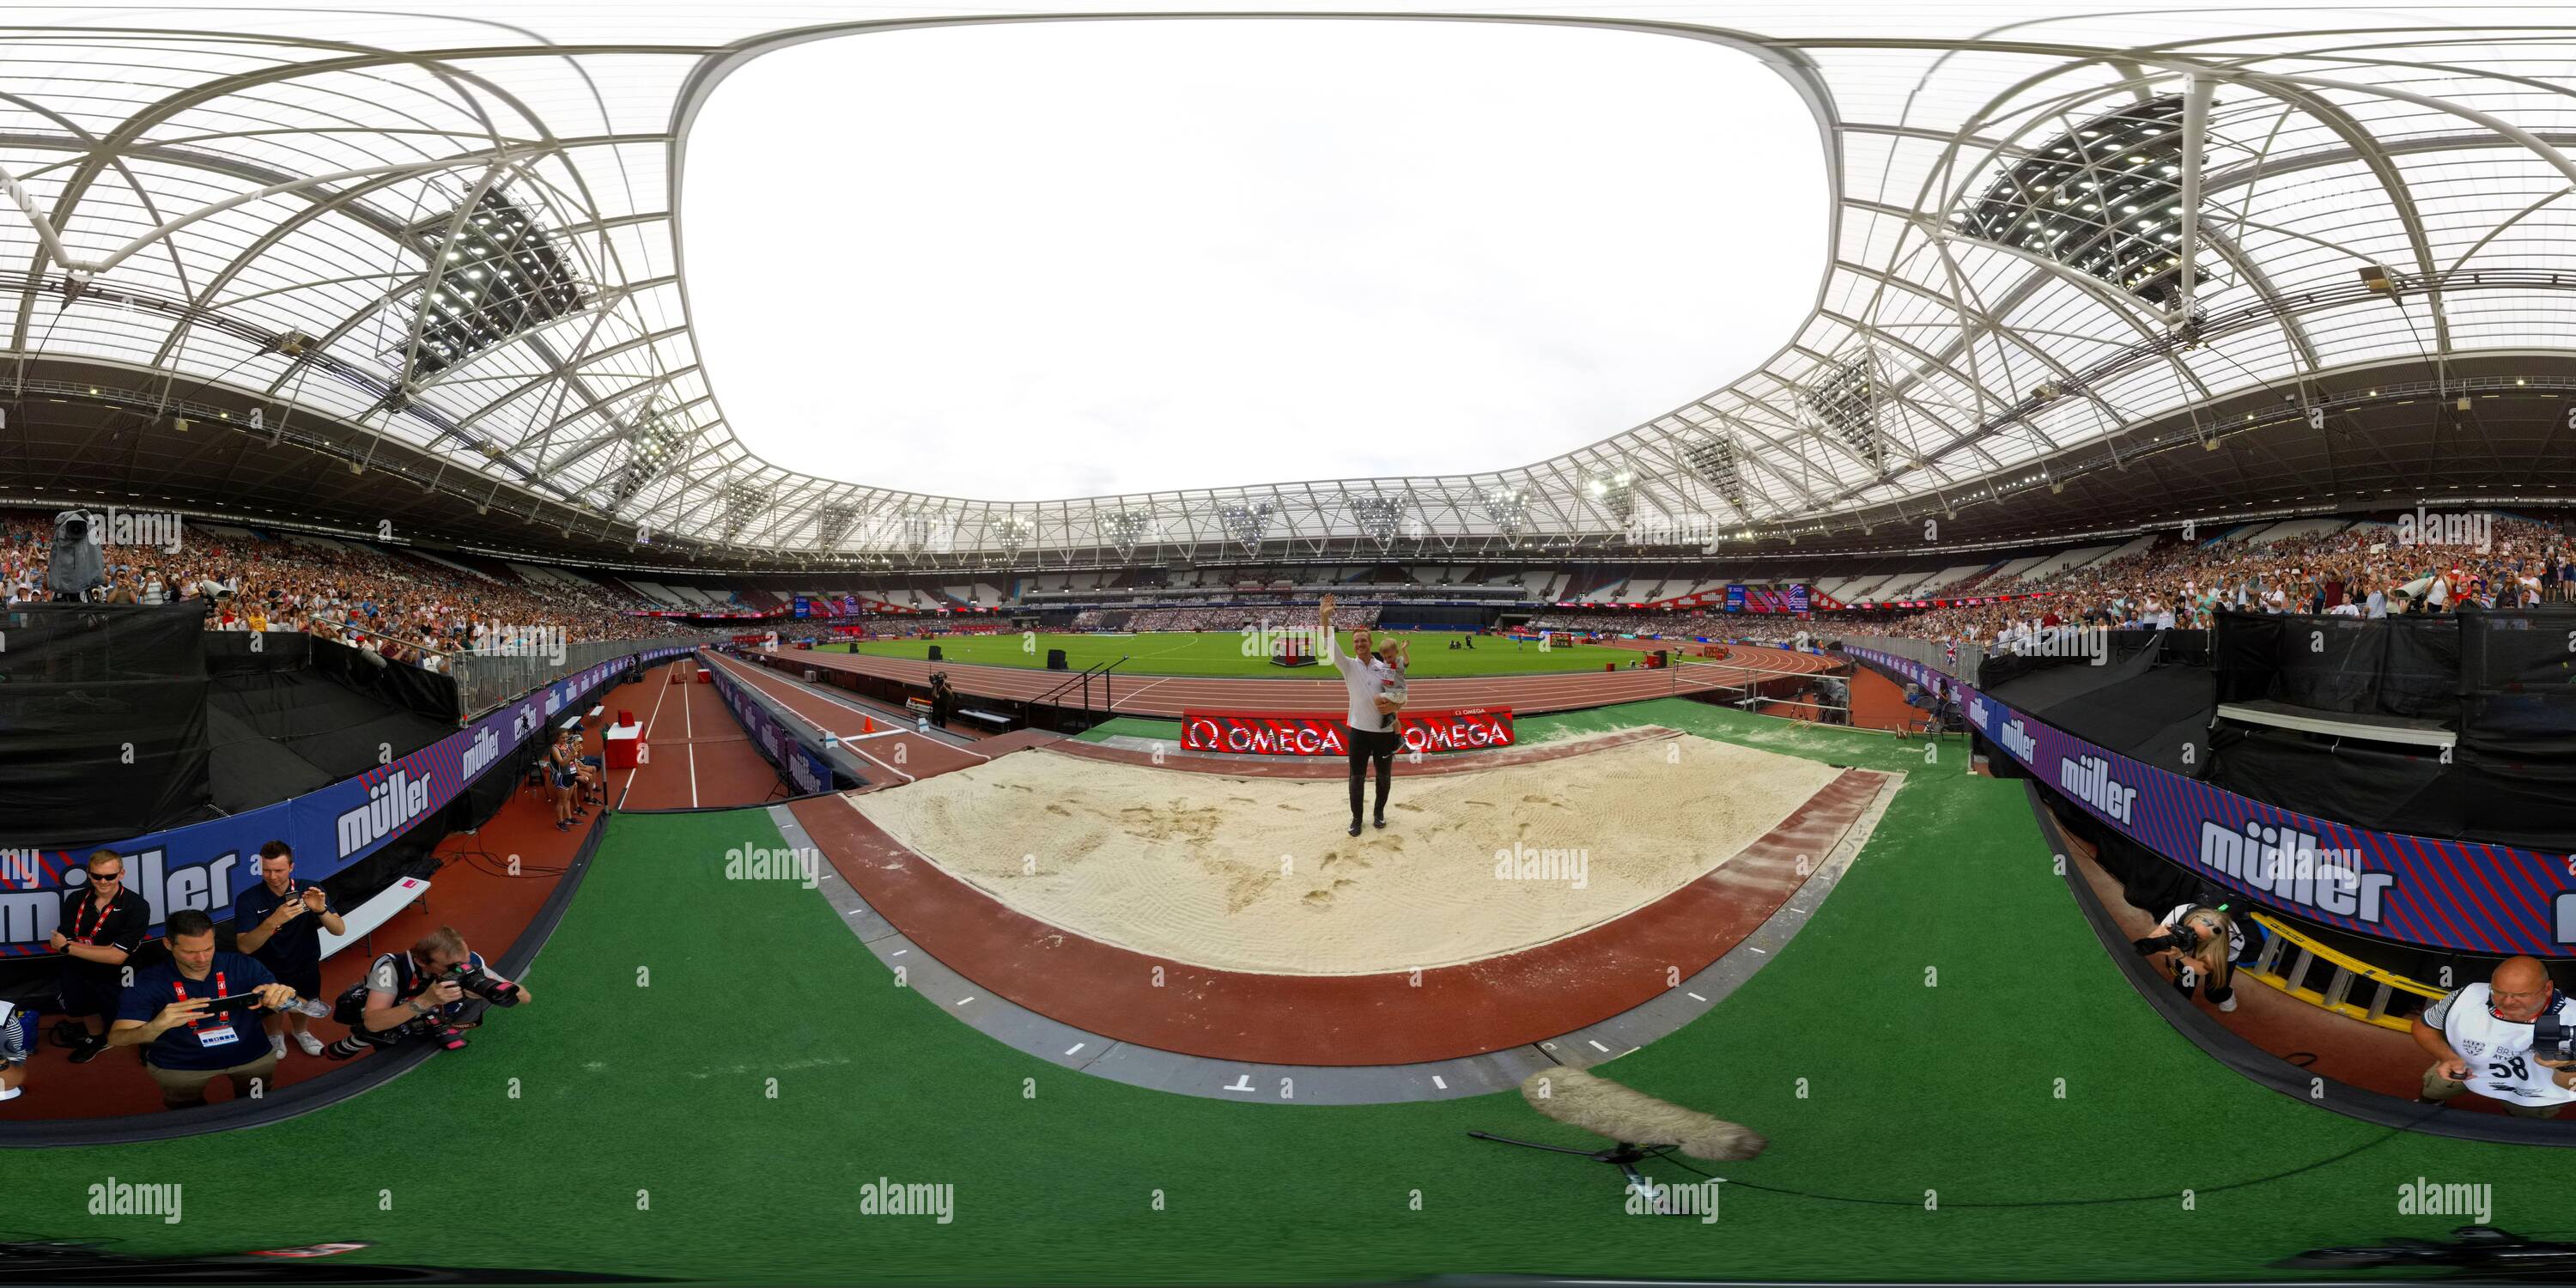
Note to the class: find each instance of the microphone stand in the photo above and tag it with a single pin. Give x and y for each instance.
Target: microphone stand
(1621, 1155)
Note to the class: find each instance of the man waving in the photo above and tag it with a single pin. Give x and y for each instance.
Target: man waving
(1376, 694)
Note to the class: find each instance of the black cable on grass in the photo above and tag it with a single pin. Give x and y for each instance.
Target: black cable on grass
(2161, 1196)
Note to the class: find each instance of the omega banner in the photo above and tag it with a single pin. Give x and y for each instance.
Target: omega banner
(1306, 733)
(2463, 895)
(207, 866)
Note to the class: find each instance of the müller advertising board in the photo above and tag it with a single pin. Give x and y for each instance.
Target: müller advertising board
(206, 866)
(2462, 895)
(1307, 733)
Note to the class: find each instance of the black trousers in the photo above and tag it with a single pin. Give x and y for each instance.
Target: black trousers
(1367, 746)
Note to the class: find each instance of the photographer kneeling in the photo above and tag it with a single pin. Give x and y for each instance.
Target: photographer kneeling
(435, 991)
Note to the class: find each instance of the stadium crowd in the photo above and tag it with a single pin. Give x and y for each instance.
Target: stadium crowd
(2358, 571)
(1231, 618)
(2363, 570)
(402, 608)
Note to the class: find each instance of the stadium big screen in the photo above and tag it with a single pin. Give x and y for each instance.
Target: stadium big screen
(1742, 598)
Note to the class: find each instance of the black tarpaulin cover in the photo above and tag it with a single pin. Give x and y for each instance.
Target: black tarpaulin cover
(102, 721)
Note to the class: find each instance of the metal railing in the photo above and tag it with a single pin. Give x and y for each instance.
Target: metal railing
(486, 680)
(1931, 653)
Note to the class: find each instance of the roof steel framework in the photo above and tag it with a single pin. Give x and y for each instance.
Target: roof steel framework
(282, 209)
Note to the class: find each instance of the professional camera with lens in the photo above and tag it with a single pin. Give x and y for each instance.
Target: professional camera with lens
(2182, 936)
(2552, 1038)
(480, 983)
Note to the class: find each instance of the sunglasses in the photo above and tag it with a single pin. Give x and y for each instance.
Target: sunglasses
(106, 878)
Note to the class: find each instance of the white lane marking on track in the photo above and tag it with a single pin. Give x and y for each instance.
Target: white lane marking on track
(871, 714)
(1598, 1047)
(749, 677)
(1435, 1081)
(1076, 1047)
(1242, 1083)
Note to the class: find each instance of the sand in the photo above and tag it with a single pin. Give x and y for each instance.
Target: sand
(1258, 875)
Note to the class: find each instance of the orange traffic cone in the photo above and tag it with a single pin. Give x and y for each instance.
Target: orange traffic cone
(867, 724)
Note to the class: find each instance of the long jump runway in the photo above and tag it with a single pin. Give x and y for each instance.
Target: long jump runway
(1168, 695)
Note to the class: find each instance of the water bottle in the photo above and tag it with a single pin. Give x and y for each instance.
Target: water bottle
(314, 1007)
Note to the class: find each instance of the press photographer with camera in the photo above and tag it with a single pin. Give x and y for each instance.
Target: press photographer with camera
(197, 1015)
(2193, 945)
(434, 991)
(2508, 1040)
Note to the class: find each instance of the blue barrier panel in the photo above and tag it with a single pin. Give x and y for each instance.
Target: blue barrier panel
(207, 865)
(796, 752)
(2463, 895)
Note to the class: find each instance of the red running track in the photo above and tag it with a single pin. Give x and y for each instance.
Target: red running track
(890, 755)
(1167, 695)
(697, 755)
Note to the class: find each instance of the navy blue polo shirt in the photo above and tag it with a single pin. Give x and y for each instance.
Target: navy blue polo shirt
(203, 1045)
(297, 945)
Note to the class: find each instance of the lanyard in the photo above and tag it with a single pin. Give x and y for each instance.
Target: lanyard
(180, 987)
(82, 934)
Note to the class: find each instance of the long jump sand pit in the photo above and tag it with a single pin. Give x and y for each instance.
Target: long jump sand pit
(1257, 874)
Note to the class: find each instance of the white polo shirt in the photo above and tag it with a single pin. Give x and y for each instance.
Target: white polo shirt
(1364, 678)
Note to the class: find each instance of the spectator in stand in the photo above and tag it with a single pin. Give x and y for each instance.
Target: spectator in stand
(280, 922)
(103, 923)
(170, 1010)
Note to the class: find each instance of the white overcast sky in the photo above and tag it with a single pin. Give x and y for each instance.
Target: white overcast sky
(1064, 260)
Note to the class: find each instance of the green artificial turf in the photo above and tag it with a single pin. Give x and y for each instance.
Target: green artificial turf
(1231, 653)
(1875, 1080)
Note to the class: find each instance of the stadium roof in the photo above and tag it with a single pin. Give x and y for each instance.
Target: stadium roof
(444, 248)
